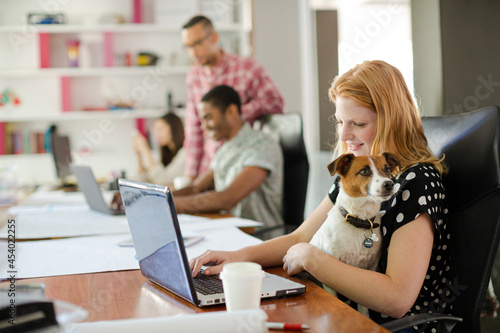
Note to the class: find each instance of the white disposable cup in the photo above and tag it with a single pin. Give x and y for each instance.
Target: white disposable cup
(181, 182)
(242, 283)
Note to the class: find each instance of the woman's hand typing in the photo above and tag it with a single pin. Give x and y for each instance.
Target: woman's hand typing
(215, 259)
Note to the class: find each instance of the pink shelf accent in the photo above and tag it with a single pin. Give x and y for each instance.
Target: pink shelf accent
(66, 93)
(44, 39)
(141, 126)
(137, 11)
(108, 49)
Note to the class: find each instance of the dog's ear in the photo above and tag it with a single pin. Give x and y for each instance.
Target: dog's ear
(341, 165)
(393, 162)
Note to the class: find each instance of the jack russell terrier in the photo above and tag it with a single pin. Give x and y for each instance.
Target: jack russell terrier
(351, 232)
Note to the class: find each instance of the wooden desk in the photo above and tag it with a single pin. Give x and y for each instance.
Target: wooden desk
(128, 294)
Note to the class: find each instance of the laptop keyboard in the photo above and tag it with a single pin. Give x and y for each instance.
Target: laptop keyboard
(208, 284)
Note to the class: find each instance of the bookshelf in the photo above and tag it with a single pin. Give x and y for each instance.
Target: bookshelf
(87, 102)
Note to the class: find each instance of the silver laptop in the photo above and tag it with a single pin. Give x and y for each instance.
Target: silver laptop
(161, 253)
(90, 188)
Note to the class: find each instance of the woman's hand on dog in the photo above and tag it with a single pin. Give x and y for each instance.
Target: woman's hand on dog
(215, 259)
(298, 257)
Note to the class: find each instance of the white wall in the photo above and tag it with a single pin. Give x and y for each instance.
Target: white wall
(427, 57)
(277, 48)
(283, 41)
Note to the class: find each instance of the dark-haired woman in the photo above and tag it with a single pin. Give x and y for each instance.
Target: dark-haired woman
(168, 132)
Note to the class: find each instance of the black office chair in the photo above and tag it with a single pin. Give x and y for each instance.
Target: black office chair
(288, 128)
(471, 144)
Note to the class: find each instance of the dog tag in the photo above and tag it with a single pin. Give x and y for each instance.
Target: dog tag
(368, 242)
(374, 237)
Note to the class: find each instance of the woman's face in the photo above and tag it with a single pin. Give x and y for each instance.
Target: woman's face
(356, 125)
(162, 132)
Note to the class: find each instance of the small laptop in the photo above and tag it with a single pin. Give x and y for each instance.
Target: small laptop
(90, 188)
(161, 252)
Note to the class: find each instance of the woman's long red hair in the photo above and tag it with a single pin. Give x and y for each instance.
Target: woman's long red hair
(381, 87)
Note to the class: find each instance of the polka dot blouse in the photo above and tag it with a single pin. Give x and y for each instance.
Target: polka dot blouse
(419, 190)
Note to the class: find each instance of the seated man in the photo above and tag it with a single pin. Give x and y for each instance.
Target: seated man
(246, 174)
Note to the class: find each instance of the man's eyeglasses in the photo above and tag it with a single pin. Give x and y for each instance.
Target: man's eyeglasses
(197, 43)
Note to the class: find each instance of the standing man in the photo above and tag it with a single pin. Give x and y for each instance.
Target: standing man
(213, 66)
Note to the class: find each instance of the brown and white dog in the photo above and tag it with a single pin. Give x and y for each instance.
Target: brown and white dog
(352, 231)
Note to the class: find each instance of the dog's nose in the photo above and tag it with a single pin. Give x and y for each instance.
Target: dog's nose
(388, 185)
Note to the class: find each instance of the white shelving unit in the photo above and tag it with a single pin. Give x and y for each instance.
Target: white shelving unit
(125, 27)
(88, 115)
(94, 71)
(34, 65)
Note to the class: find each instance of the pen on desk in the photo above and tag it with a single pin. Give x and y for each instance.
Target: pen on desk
(287, 326)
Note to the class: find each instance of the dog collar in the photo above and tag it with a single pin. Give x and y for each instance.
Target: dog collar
(357, 222)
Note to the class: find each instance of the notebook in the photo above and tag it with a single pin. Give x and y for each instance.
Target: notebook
(91, 190)
(161, 251)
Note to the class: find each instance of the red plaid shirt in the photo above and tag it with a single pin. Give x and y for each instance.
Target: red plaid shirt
(259, 95)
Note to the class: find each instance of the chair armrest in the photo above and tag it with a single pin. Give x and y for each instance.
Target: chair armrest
(264, 230)
(446, 322)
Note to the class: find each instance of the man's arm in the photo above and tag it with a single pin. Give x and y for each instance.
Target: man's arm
(267, 97)
(203, 183)
(247, 181)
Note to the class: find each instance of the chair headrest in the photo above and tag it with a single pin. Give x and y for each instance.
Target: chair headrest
(288, 128)
(470, 142)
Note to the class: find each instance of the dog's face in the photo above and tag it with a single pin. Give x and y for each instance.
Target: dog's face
(367, 176)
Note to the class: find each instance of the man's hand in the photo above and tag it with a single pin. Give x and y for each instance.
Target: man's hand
(117, 202)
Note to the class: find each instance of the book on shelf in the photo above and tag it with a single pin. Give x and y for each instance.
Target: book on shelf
(3, 144)
(15, 141)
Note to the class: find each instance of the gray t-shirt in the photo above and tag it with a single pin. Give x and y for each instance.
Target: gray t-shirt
(250, 148)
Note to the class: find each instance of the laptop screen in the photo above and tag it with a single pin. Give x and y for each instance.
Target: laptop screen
(156, 234)
(62, 155)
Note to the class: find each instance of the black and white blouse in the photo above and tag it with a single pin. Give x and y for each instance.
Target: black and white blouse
(419, 190)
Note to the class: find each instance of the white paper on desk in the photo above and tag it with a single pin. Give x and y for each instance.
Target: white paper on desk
(53, 197)
(227, 239)
(186, 218)
(79, 255)
(68, 256)
(71, 224)
(48, 208)
(251, 321)
(45, 196)
(227, 222)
